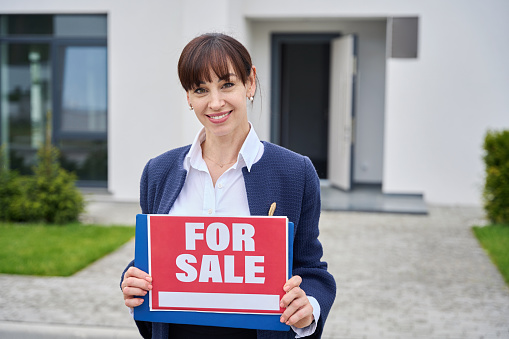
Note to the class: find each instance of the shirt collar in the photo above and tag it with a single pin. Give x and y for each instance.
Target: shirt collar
(250, 148)
(247, 155)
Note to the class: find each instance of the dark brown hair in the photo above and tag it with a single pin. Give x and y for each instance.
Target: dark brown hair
(212, 51)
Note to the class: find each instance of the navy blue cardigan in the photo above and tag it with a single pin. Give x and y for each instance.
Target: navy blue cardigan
(280, 176)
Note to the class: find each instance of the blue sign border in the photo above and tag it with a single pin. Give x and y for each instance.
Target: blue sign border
(251, 321)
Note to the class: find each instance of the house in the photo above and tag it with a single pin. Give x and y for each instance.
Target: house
(392, 93)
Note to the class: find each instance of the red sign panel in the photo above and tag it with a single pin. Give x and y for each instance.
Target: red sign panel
(218, 264)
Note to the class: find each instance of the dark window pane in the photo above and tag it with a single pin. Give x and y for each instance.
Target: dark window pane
(25, 101)
(87, 158)
(90, 26)
(84, 92)
(28, 24)
(405, 32)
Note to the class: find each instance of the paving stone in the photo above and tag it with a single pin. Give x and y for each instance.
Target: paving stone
(398, 276)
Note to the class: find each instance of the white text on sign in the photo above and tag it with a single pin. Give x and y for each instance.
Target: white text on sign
(217, 237)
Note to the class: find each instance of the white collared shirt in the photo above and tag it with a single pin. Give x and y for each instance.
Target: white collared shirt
(228, 197)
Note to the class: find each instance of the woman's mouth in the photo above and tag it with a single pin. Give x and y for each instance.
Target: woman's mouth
(218, 117)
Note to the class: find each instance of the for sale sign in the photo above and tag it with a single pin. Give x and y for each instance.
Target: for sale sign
(230, 269)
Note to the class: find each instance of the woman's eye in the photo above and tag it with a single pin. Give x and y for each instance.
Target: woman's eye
(228, 85)
(199, 90)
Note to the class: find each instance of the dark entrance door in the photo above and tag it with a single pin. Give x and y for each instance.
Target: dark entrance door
(301, 72)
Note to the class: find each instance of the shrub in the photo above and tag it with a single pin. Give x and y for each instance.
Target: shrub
(23, 204)
(8, 187)
(54, 188)
(50, 195)
(496, 188)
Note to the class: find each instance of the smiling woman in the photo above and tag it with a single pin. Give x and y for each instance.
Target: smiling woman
(228, 171)
(220, 106)
(218, 77)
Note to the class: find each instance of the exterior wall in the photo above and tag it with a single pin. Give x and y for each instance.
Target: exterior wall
(440, 106)
(437, 107)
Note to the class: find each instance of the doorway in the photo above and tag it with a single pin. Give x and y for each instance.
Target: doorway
(363, 165)
(300, 101)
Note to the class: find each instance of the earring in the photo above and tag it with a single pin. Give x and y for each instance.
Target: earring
(191, 108)
(251, 98)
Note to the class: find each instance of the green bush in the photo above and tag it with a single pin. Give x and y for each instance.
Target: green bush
(8, 187)
(50, 195)
(23, 205)
(496, 188)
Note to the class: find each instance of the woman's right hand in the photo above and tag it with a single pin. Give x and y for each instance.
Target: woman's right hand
(136, 284)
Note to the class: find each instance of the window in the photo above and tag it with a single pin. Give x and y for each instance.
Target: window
(55, 67)
(404, 37)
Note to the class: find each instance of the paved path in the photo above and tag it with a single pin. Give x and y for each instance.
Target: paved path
(398, 276)
(403, 276)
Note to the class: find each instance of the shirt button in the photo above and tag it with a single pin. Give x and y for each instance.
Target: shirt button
(210, 210)
(219, 186)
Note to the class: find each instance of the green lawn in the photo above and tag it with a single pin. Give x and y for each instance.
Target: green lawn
(495, 240)
(60, 250)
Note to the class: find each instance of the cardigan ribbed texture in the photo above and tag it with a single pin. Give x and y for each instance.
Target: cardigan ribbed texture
(280, 176)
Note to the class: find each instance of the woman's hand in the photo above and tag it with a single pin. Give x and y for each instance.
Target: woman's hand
(299, 312)
(136, 283)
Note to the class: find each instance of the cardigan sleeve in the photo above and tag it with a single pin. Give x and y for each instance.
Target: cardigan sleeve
(316, 280)
(144, 198)
(145, 328)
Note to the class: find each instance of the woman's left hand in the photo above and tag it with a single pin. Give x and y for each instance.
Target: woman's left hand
(299, 311)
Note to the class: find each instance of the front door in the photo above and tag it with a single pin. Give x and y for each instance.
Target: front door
(301, 95)
(343, 70)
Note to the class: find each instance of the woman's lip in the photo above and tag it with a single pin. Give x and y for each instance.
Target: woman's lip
(218, 118)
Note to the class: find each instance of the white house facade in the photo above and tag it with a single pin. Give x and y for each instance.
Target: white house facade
(393, 93)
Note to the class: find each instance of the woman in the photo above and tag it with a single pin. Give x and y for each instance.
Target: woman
(228, 171)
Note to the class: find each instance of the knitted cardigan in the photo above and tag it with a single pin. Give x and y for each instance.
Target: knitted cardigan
(280, 176)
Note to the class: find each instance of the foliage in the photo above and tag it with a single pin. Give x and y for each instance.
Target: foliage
(495, 240)
(55, 190)
(23, 206)
(50, 250)
(50, 195)
(496, 189)
(8, 187)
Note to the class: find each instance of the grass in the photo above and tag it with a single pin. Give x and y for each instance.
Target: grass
(56, 250)
(495, 240)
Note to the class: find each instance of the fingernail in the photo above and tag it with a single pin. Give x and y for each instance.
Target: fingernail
(282, 319)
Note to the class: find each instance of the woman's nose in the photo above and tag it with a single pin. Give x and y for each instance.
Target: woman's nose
(216, 100)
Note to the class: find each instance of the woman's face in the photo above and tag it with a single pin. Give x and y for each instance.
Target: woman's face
(220, 105)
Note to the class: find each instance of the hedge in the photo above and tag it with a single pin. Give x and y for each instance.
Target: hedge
(496, 188)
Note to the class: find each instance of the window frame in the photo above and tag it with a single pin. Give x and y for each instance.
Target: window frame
(56, 87)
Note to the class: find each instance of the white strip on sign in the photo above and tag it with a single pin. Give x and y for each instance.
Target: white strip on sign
(265, 302)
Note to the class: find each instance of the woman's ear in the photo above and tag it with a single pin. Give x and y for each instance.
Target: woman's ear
(252, 81)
